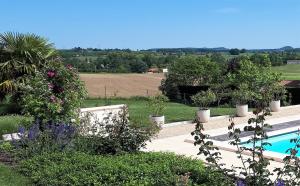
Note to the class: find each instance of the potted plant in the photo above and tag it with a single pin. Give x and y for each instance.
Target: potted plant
(203, 99)
(277, 93)
(157, 105)
(241, 96)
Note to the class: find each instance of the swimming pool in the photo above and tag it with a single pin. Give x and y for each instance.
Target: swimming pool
(280, 143)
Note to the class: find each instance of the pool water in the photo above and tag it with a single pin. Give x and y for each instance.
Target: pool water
(280, 143)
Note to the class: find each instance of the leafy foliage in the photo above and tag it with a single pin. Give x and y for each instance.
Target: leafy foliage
(114, 135)
(242, 95)
(21, 55)
(254, 82)
(127, 169)
(54, 94)
(157, 105)
(55, 137)
(204, 98)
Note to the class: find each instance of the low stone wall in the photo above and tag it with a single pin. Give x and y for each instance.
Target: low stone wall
(97, 117)
(100, 113)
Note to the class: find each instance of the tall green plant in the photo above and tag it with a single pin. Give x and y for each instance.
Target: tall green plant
(157, 105)
(242, 95)
(204, 98)
(21, 55)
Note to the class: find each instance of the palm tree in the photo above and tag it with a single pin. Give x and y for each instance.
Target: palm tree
(21, 55)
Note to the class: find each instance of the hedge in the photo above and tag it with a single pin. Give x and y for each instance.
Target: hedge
(126, 169)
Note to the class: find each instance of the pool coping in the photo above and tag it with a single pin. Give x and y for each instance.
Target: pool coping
(275, 156)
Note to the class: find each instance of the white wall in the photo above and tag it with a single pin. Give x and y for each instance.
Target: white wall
(100, 115)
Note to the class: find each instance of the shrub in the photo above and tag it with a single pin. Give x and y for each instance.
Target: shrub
(157, 105)
(127, 169)
(55, 137)
(53, 94)
(242, 95)
(114, 135)
(204, 98)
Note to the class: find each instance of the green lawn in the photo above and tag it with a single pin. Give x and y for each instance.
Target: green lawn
(11, 123)
(9, 177)
(289, 72)
(138, 109)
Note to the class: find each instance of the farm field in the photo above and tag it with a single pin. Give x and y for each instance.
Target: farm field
(289, 72)
(121, 85)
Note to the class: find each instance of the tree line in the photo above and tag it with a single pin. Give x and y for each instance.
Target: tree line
(128, 61)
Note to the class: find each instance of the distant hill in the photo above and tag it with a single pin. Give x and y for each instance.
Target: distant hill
(217, 49)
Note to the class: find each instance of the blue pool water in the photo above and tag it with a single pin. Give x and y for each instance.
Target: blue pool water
(280, 143)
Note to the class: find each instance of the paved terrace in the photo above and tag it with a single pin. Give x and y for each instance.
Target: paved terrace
(178, 139)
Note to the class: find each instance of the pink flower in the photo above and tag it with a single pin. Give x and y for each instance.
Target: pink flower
(50, 86)
(51, 73)
(52, 99)
(69, 66)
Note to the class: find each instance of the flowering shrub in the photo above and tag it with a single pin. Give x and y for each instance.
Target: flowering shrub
(54, 94)
(54, 137)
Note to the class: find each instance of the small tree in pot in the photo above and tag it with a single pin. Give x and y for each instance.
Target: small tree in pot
(157, 105)
(277, 92)
(203, 99)
(241, 96)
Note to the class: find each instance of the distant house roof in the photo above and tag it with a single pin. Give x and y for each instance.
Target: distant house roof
(153, 70)
(291, 83)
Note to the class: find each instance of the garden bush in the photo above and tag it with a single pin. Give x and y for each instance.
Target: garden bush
(127, 169)
(116, 134)
(54, 94)
(55, 137)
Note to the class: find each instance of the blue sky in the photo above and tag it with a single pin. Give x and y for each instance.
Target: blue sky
(142, 24)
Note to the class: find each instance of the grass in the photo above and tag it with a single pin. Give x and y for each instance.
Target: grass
(289, 72)
(138, 109)
(9, 177)
(11, 123)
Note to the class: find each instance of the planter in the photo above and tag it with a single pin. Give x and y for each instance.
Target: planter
(159, 120)
(203, 115)
(241, 110)
(275, 106)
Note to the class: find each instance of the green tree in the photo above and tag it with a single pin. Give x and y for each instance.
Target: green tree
(234, 51)
(21, 55)
(218, 58)
(261, 59)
